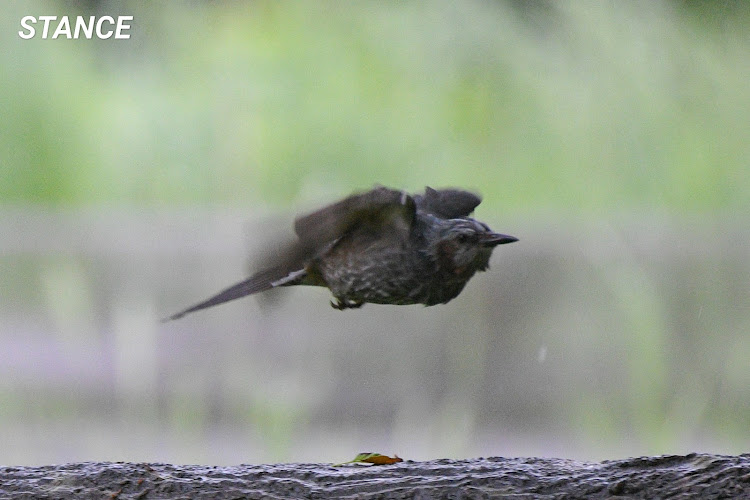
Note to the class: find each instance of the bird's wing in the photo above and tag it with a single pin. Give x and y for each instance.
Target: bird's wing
(378, 208)
(447, 203)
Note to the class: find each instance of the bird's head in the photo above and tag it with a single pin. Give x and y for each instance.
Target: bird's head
(465, 245)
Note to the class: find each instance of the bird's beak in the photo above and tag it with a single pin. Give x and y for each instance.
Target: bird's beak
(492, 239)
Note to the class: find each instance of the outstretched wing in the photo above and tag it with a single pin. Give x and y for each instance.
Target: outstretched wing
(377, 208)
(447, 203)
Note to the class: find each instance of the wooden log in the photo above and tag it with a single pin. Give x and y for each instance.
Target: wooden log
(691, 476)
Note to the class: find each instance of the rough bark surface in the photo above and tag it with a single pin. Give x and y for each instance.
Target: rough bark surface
(691, 476)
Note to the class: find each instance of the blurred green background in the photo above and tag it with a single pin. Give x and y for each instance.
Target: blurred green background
(139, 176)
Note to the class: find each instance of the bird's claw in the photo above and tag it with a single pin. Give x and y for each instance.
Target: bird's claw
(345, 304)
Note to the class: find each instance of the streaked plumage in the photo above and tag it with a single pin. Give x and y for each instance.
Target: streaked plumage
(383, 246)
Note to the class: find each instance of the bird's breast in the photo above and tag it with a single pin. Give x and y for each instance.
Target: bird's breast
(376, 270)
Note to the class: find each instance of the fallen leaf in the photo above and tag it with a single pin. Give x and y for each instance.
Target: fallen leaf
(372, 458)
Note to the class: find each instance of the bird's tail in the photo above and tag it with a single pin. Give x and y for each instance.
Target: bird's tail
(264, 280)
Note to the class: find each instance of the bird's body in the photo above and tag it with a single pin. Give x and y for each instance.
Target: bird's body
(393, 268)
(384, 247)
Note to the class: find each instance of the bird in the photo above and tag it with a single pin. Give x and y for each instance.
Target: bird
(382, 246)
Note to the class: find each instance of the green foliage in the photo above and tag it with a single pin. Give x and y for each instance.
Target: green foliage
(577, 106)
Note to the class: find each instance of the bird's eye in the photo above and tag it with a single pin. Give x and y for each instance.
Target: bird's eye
(463, 238)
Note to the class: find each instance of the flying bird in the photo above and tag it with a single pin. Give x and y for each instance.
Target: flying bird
(382, 246)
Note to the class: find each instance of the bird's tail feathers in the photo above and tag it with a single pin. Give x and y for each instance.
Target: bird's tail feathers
(260, 282)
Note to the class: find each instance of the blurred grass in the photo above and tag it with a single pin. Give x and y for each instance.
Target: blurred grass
(635, 113)
(582, 106)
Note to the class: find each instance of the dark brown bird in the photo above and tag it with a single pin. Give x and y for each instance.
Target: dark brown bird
(383, 246)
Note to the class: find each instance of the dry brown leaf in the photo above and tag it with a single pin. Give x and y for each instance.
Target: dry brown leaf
(373, 458)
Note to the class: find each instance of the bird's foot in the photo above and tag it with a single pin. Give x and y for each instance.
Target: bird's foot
(346, 304)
